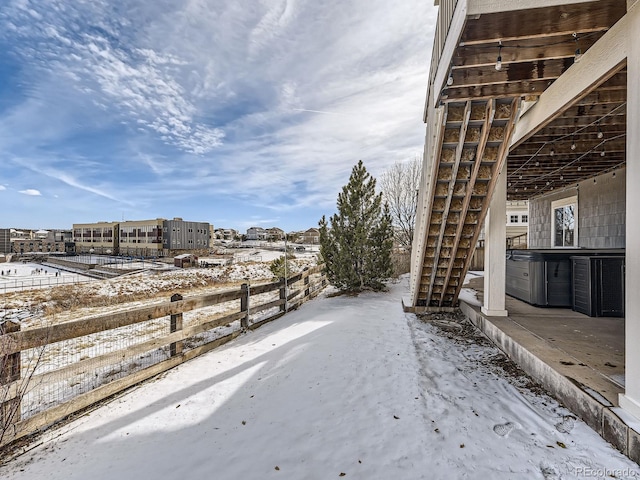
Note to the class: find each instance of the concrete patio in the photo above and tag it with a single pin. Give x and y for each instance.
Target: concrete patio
(578, 359)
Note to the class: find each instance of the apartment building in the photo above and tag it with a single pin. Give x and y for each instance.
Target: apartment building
(149, 238)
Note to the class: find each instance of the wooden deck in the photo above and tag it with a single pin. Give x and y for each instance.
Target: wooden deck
(492, 60)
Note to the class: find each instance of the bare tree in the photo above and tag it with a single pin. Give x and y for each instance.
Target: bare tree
(399, 185)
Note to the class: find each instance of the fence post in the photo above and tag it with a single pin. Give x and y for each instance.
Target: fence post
(244, 305)
(283, 294)
(306, 283)
(9, 372)
(176, 324)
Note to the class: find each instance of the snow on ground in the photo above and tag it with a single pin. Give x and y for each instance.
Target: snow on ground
(150, 283)
(23, 276)
(469, 295)
(344, 386)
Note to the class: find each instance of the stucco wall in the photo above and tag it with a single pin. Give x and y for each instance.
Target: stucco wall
(601, 213)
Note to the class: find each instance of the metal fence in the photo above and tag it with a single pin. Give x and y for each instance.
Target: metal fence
(18, 285)
(49, 372)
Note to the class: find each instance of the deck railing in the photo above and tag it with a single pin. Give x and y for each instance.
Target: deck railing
(445, 17)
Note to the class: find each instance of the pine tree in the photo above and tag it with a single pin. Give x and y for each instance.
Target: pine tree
(278, 269)
(356, 248)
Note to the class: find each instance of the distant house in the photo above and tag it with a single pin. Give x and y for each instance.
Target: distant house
(311, 236)
(275, 233)
(256, 233)
(517, 217)
(226, 234)
(19, 234)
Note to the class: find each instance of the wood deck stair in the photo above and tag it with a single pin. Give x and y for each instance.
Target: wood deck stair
(472, 147)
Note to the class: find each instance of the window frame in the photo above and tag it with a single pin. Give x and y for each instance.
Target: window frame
(562, 203)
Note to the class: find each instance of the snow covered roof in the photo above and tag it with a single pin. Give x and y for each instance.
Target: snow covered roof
(184, 255)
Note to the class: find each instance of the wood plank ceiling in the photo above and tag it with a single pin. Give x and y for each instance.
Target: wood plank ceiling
(534, 48)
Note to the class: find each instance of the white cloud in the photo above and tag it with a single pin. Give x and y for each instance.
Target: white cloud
(2, 187)
(271, 105)
(31, 191)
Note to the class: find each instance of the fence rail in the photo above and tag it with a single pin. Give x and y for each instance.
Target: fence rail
(49, 372)
(18, 285)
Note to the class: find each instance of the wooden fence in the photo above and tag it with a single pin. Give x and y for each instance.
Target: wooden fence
(39, 387)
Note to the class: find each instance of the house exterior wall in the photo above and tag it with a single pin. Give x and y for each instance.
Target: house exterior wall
(5, 240)
(601, 213)
(311, 236)
(517, 218)
(100, 237)
(38, 245)
(226, 233)
(59, 236)
(256, 233)
(140, 237)
(275, 233)
(178, 234)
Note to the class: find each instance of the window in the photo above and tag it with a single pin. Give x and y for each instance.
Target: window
(513, 218)
(525, 218)
(564, 231)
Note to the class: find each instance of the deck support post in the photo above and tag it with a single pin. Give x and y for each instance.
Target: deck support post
(630, 400)
(495, 234)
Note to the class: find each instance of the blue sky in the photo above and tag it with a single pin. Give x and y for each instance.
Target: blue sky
(243, 113)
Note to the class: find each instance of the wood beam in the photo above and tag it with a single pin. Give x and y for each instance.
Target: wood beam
(500, 90)
(511, 72)
(598, 65)
(562, 20)
(520, 50)
(484, 136)
(502, 157)
(452, 183)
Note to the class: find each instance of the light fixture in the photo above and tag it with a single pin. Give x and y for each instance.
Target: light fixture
(450, 80)
(561, 177)
(600, 134)
(520, 177)
(602, 153)
(595, 181)
(537, 163)
(614, 174)
(547, 183)
(573, 145)
(579, 167)
(499, 59)
(552, 152)
(578, 53)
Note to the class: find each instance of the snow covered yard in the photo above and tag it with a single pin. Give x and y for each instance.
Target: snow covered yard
(26, 276)
(343, 387)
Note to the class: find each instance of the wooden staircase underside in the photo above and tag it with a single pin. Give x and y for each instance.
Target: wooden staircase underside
(472, 148)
